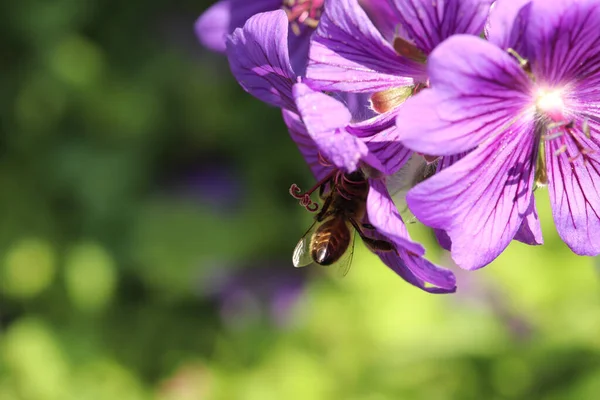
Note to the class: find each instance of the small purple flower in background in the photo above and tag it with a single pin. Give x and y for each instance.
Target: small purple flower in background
(212, 181)
(220, 20)
(248, 292)
(331, 143)
(528, 103)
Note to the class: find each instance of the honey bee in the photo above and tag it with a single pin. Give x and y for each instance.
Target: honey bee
(330, 239)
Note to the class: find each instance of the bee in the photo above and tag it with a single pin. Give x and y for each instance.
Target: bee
(330, 239)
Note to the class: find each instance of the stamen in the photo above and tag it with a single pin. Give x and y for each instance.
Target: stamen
(553, 123)
(541, 172)
(565, 128)
(560, 150)
(346, 178)
(556, 125)
(384, 101)
(566, 124)
(303, 13)
(586, 129)
(409, 50)
(350, 185)
(342, 193)
(523, 63)
(583, 151)
(418, 87)
(323, 161)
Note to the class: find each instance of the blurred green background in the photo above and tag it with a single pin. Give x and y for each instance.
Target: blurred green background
(146, 235)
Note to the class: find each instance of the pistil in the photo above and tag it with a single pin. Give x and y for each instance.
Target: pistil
(304, 197)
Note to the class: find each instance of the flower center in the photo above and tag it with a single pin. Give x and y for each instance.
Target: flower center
(550, 103)
(303, 13)
(553, 124)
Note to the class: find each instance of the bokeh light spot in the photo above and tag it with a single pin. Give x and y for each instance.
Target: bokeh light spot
(35, 360)
(29, 268)
(90, 276)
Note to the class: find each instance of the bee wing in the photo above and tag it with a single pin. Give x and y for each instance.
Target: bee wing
(416, 170)
(301, 256)
(345, 262)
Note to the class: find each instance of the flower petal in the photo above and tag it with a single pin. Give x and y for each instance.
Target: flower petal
(443, 239)
(574, 188)
(381, 136)
(384, 216)
(446, 162)
(383, 16)
(563, 39)
(477, 90)
(481, 200)
(408, 265)
(530, 231)
(348, 54)
(357, 103)
(219, 20)
(326, 119)
(428, 23)
(259, 59)
(307, 146)
(298, 47)
(506, 25)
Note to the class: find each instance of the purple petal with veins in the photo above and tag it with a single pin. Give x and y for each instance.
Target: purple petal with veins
(259, 59)
(349, 54)
(428, 23)
(221, 19)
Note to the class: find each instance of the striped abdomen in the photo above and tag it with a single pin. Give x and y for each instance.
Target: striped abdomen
(330, 241)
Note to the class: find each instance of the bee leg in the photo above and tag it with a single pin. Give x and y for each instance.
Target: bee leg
(322, 193)
(376, 245)
(373, 244)
(322, 190)
(323, 213)
(368, 226)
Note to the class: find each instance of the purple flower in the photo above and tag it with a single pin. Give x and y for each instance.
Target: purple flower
(349, 53)
(331, 142)
(322, 130)
(220, 20)
(382, 47)
(528, 103)
(211, 181)
(264, 287)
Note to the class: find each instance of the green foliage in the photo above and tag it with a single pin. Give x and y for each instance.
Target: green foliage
(137, 177)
